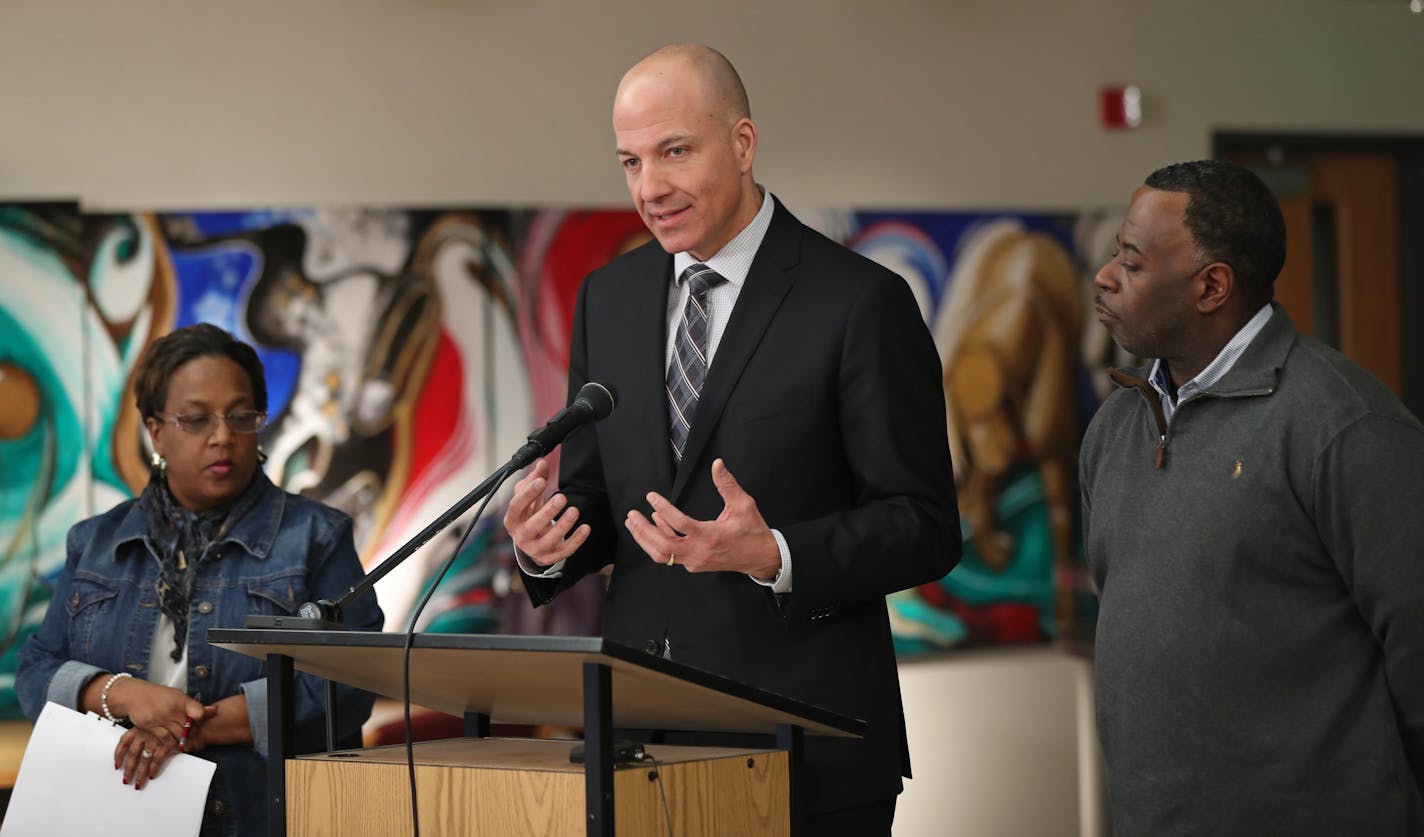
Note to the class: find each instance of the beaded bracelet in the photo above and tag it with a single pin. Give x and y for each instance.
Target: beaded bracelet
(104, 695)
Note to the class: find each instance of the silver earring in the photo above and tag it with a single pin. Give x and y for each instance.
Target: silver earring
(159, 462)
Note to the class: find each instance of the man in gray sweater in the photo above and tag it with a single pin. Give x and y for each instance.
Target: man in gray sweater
(1251, 507)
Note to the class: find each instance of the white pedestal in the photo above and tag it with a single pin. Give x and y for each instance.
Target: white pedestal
(1003, 742)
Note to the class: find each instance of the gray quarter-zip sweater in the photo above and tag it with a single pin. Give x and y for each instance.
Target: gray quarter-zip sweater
(1260, 645)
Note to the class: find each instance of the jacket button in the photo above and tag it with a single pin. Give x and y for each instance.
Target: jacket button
(205, 607)
(217, 807)
(651, 646)
(201, 672)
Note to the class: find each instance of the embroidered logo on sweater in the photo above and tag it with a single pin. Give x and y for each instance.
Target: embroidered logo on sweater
(1236, 471)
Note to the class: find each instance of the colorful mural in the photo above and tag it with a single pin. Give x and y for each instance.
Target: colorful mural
(408, 352)
(1006, 298)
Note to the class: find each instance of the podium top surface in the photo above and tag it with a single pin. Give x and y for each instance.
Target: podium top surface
(537, 679)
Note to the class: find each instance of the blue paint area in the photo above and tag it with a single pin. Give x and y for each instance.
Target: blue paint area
(213, 285)
(217, 224)
(945, 230)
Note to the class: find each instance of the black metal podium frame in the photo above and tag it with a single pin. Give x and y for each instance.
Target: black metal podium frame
(571, 681)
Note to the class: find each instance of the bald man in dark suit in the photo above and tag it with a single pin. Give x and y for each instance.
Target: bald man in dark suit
(743, 343)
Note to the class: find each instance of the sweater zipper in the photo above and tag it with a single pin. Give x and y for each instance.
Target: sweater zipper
(1154, 403)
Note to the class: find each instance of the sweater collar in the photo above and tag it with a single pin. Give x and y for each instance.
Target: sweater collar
(1257, 372)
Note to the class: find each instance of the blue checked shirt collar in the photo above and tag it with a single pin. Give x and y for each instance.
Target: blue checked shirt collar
(1214, 371)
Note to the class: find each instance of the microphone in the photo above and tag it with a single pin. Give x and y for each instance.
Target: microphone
(593, 402)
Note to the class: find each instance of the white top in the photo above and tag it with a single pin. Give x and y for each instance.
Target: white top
(161, 667)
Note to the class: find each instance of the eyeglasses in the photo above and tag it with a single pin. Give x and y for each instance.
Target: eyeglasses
(242, 421)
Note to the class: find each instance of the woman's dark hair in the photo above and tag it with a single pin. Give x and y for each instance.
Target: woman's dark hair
(166, 354)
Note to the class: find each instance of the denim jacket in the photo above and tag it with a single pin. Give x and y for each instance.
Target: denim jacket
(285, 551)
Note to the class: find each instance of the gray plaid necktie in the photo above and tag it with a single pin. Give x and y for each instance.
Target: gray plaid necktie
(688, 369)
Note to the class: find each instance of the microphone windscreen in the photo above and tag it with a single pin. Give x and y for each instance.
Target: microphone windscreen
(601, 399)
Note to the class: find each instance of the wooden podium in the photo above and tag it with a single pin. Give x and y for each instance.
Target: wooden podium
(481, 785)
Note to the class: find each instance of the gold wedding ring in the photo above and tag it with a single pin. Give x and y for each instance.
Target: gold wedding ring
(672, 558)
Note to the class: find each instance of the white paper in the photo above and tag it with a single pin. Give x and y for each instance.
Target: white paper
(68, 785)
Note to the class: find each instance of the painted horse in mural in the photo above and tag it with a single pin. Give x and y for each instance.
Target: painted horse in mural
(1009, 334)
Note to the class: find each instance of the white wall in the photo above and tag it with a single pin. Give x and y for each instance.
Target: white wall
(903, 103)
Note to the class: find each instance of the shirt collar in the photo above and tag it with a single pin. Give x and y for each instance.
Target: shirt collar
(734, 261)
(1219, 366)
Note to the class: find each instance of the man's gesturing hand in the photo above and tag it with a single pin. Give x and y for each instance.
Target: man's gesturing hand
(541, 528)
(737, 541)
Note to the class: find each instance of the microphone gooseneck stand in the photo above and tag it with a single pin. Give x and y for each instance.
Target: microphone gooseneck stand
(593, 402)
(502, 474)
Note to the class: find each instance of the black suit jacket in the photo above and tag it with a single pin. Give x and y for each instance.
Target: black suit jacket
(824, 399)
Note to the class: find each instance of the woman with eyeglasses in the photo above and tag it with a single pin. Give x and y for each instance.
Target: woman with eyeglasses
(208, 541)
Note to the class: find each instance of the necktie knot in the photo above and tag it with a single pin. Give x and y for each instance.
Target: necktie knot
(700, 279)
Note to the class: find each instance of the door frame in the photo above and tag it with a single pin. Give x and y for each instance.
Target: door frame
(1408, 152)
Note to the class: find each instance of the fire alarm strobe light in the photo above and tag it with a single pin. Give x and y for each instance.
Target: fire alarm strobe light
(1120, 107)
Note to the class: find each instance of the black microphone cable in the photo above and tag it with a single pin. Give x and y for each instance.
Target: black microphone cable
(657, 773)
(504, 474)
(593, 402)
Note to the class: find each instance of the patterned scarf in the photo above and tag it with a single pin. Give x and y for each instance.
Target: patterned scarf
(184, 541)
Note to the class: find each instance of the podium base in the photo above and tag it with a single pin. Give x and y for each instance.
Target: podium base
(526, 787)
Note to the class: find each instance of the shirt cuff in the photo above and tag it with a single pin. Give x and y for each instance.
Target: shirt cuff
(256, 691)
(68, 683)
(530, 568)
(782, 582)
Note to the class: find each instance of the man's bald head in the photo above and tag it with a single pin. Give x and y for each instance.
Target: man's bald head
(686, 144)
(722, 89)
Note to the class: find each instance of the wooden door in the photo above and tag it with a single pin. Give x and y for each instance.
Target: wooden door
(1341, 277)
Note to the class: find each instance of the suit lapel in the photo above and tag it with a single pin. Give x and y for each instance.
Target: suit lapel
(647, 330)
(767, 285)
